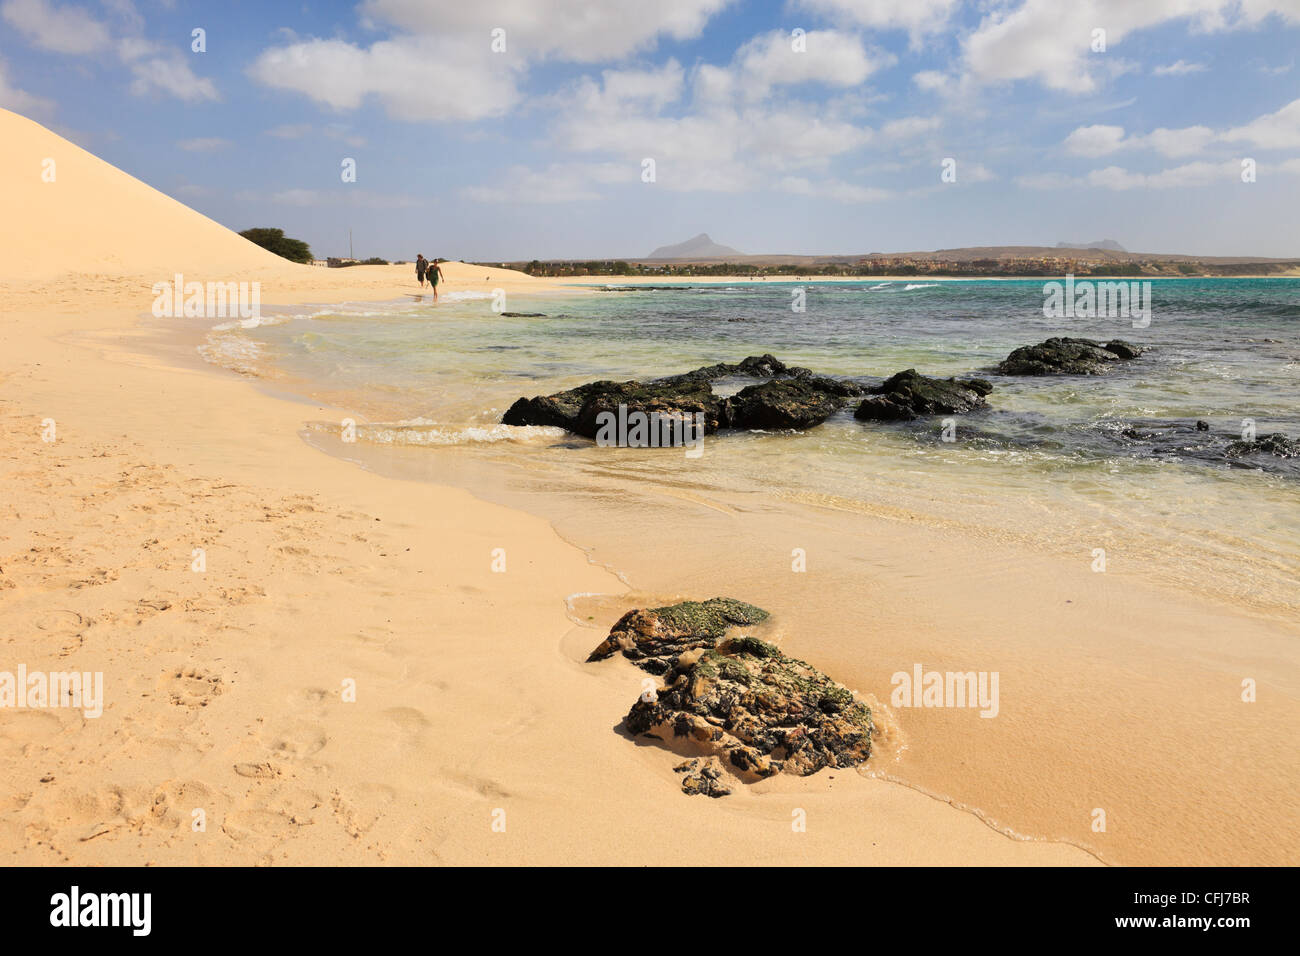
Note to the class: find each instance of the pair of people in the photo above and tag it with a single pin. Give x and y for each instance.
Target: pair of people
(428, 269)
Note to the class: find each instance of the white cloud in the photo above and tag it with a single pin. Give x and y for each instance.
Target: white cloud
(414, 78)
(59, 29)
(1280, 130)
(440, 65)
(572, 30)
(1180, 142)
(932, 80)
(1050, 41)
(1095, 140)
(72, 30)
(1179, 68)
(974, 173)
(705, 134)
(159, 70)
(1191, 174)
(917, 17)
(909, 126)
(1114, 177)
(829, 57)
(1103, 140)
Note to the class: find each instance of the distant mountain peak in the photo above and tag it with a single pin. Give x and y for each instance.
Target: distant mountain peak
(1108, 244)
(698, 247)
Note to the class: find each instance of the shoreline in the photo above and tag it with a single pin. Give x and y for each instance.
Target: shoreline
(903, 616)
(298, 754)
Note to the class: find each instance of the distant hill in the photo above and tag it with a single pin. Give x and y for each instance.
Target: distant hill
(701, 247)
(1109, 244)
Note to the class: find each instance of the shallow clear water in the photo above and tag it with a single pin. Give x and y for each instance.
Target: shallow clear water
(1049, 460)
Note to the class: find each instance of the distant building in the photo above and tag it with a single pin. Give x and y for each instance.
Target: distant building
(335, 262)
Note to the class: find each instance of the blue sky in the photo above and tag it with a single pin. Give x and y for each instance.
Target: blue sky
(829, 142)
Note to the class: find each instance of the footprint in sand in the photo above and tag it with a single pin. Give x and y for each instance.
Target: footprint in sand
(191, 686)
(176, 800)
(258, 771)
(360, 810)
(64, 626)
(298, 740)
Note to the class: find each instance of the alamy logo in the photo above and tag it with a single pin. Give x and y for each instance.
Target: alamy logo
(638, 429)
(102, 909)
(1087, 299)
(946, 689)
(206, 300)
(37, 690)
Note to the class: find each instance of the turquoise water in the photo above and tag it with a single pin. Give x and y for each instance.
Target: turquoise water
(1049, 460)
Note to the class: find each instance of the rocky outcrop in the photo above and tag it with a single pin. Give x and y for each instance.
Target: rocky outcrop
(735, 698)
(755, 366)
(578, 409)
(652, 638)
(793, 397)
(1276, 444)
(1067, 356)
(909, 395)
(781, 403)
(763, 713)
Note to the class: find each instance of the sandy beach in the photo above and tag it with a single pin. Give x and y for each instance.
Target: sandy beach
(317, 663)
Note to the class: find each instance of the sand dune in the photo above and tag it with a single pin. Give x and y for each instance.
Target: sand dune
(78, 213)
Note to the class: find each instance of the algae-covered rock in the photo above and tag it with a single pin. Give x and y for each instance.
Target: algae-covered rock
(654, 637)
(745, 702)
(735, 697)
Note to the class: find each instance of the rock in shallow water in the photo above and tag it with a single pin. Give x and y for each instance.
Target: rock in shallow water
(793, 398)
(737, 698)
(781, 403)
(908, 395)
(1276, 444)
(1067, 356)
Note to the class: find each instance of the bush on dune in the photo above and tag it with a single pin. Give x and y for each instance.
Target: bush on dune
(274, 240)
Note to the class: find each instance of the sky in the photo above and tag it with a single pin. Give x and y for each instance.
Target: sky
(518, 129)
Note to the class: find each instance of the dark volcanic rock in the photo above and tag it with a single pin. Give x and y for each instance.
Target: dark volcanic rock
(577, 409)
(908, 395)
(735, 698)
(755, 366)
(781, 403)
(792, 398)
(1276, 444)
(524, 315)
(1066, 356)
(676, 399)
(653, 637)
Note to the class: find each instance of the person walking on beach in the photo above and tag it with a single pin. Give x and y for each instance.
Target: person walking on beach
(435, 276)
(421, 265)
